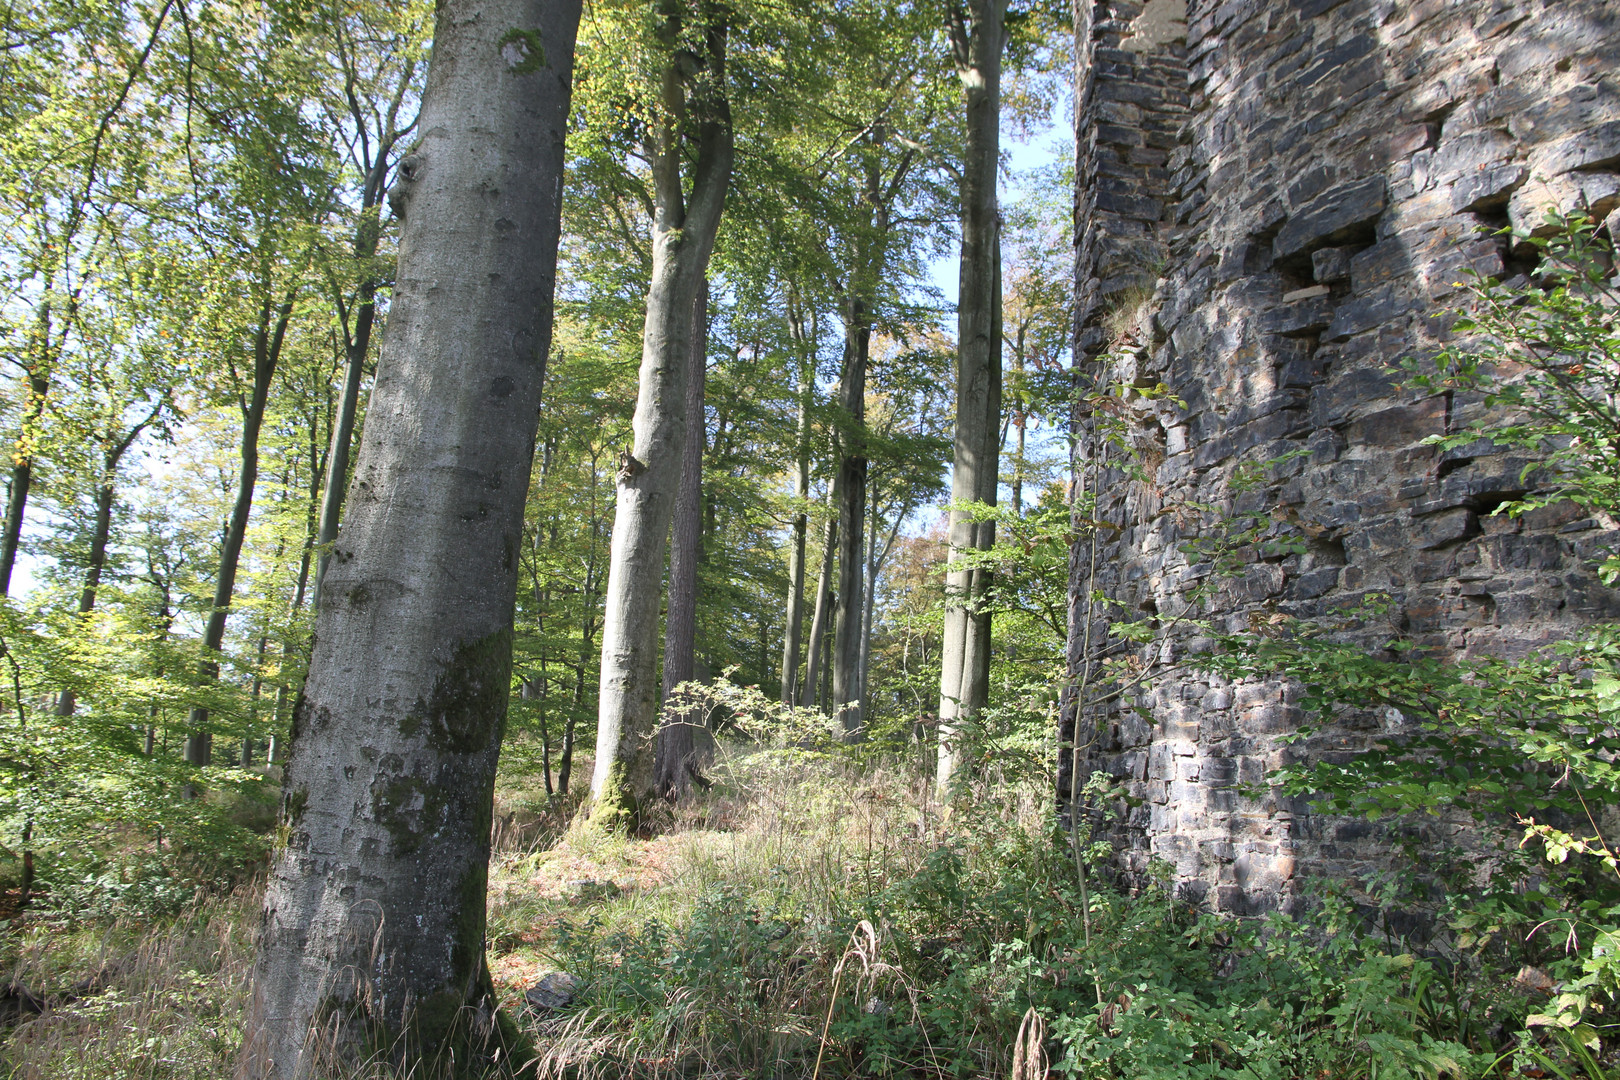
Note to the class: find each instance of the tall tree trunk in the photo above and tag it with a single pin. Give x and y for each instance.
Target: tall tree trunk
(267, 344)
(683, 232)
(67, 702)
(373, 931)
(816, 664)
(793, 635)
(357, 344)
(337, 455)
(846, 657)
(1019, 420)
(106, 492)
(535, 690)
(587, 635)
(22, 467)
(274, 750)
(677, 738)
(870, 604)
(978, 35)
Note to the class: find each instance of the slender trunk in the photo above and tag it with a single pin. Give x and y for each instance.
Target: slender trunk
(67, 702)
(846, 657)
(293, 643)
(22, 469)
(819, 617)
(978, 36)
(677, 738)
(246, 757)
(374, 919)
(683, 232)
(356, 346)
(587, 635)
(793, 636)
(101, 533)
(337, 455)
(266, 353)
(273, 752)
(1020, 421)
(824, 693)
(535, 690)
(565, 760)
(873, 561)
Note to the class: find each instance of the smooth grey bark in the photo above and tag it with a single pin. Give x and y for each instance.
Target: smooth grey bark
(373, 929)
(683, 232)
(267, 342)
(978, 36)
(675, 757)
(815, 664)
(851, 593)
(793, 634)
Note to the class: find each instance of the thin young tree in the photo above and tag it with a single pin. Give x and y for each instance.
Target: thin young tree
(374, 917)
(803, 339)
(375, 82)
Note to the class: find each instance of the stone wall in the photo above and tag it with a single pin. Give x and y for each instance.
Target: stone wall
(1277, 198)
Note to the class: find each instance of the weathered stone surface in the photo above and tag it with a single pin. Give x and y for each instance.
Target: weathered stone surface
(1331, 217)
(1331, 264)
(1594, 147)
(1326, 170)
(552, 993)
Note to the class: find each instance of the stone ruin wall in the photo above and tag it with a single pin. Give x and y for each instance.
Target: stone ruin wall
(1276, 199)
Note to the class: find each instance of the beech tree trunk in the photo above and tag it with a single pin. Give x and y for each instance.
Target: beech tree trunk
(819, 617)
(373, 930)
(793, 635)
(41, 358)
(683, 232)
(677, 738)
(868, 262)
(112, 454)
(267, 344)
(357, 344)
(846, 658)
(978, 35)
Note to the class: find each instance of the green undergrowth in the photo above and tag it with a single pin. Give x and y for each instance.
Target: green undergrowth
(839, 924)
(816, 915)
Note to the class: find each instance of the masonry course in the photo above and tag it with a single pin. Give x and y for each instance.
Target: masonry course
(1276, 202)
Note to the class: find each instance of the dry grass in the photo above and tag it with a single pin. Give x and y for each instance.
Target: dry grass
(782, 830)
(134, 1003)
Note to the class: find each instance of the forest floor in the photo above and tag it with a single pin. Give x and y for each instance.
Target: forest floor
(135, 997)
(818, 916)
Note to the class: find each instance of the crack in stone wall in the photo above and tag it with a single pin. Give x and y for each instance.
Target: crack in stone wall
(1277, 200)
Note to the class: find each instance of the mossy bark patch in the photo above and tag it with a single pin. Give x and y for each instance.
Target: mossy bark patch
(465, 712)
(523, 51)
(616, 809)
(409, 808)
